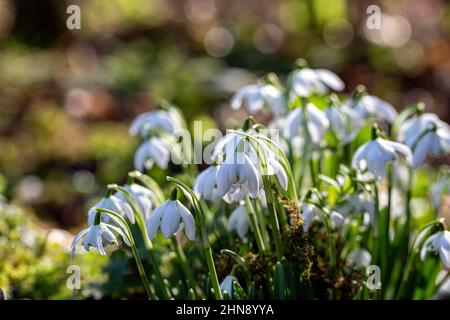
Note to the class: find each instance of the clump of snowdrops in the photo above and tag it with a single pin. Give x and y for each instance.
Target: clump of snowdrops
(317, 205)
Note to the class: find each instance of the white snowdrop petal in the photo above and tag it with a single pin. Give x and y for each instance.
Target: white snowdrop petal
(188, 220)
(75, 241)
(170, 221)
(330, 79)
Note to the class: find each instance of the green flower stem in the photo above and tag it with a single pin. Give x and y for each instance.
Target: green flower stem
(312, 171)
(284, 225)
(384, 225)
(332, 245)
(134, 250)
(273, 219)
(184, 265)
(148, 243)
(262, 225)
(376, 242)
(204, 234)
(255, 226)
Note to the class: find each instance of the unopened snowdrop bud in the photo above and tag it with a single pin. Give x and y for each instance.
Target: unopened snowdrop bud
(205, 185)
(98, 235)
(316, 123)
(257, 96)
(375, 155)
(114, 203)
(425, 134)
(238, 170)
(438, 243)
(239, 221)
(172, 216)
(306, 82)
(227, 285)
(360, 257)
(153, 120)
(156, 150)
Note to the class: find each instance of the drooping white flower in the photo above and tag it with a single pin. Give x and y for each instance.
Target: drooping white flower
(374, 156)
(172, 216)
(438, 243)
(238, 170)
(337, 219)
(114, 203)
(306, 82)
(144, 197)
(312, 213)
(156, 150)
(98, 236)
(239, 221)
(227, 145)
(344, 122)
(237, 194)
(227, 284)
(360, 257)
(426, 134)
(205, 185)
(372, 107)
(360, 203)
(257, 96)
(169, 121)
(242, 170)
(438, 190)
(316, 123)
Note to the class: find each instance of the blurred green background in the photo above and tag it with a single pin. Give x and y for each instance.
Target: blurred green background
(67, 96)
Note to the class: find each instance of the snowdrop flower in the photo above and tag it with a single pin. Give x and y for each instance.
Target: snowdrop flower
(144, 197)
(374, 156)
(172, 216)
(438, 190)
(312, 213)
(239, 221)
(205, 185)
(98, 235)
(368, 106)
(155, 150)
(168, 121)
(337, 219)
(114, 203)
(425, 134)
(360, 257)
(317, 124)
(237, 194)
(306, 82)
(438, 243)
(227, 145)
(256, 96)
(238, 170)
(344, 121)
(356, 204)
(227, 284)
